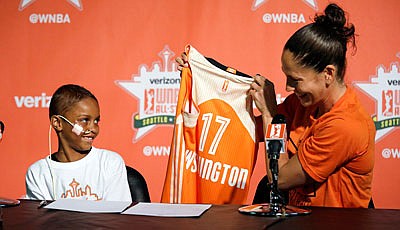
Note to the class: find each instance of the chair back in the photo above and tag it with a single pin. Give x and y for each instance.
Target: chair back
(137, 186)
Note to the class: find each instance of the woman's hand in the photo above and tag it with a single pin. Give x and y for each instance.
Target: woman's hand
(182, 61)
(263, 93)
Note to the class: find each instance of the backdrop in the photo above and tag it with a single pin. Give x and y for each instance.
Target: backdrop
(120, 49)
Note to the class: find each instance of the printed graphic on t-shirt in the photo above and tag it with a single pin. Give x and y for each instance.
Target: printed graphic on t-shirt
(76, 192)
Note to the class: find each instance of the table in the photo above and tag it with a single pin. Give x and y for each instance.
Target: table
(28, 216)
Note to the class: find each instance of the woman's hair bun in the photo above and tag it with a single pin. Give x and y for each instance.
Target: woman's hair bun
(334, 19)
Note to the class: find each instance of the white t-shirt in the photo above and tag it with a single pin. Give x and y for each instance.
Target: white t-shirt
(101, 175)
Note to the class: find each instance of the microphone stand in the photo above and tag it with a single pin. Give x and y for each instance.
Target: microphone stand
(276, 207)
(276, 201)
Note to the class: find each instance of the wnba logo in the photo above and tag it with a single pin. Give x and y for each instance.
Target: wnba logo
(388, 102)
(49, 18)
(276, 131)
(149, 101)
(278, 18)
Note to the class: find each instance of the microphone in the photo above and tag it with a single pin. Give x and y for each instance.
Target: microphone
(77, 129)
(275, 137)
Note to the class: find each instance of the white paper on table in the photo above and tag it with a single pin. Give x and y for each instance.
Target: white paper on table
(167, 210)
(89, 206)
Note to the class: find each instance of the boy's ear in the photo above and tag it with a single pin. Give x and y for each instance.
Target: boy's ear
(56, 123)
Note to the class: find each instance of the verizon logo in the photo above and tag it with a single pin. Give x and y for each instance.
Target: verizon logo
(42, 101)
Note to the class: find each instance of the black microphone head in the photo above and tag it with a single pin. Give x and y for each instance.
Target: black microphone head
(278, 119)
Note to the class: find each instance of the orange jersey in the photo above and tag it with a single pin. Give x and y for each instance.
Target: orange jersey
(336, 150)
(213, 149)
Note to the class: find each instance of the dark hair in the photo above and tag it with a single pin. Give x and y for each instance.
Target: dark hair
(66, 96)
(323, 42)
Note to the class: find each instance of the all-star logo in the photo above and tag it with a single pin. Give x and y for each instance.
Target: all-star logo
(384, 88)
(310, 3)
(25, 3)
(157, 91)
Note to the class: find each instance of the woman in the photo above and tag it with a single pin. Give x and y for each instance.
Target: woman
(330, 159)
